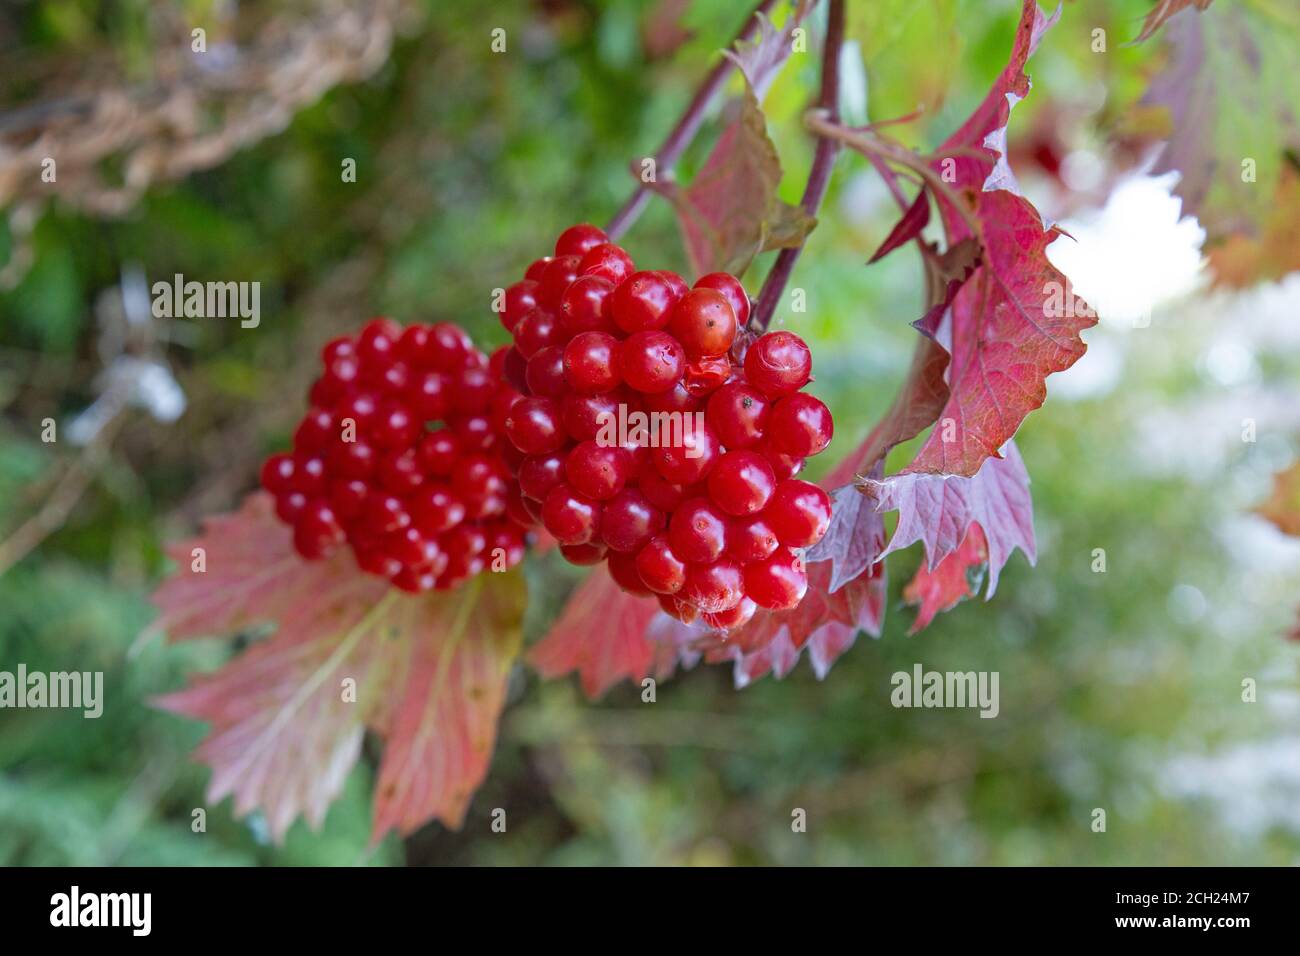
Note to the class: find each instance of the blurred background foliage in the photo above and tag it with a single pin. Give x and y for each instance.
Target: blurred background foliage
(1120, 690)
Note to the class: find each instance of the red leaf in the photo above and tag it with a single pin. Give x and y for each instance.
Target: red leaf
(601, 634)
(937, 510)
(429, 675)
(1162, 11)
(957, 577)
(1002, 329)
(906, 229)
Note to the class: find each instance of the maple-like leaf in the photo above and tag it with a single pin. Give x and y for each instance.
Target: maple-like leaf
(1231, 90)
(600, 634)
(1003, 328)
(730, 212)
(938, 510)
(957, 577)
(1162, 11)
(348, 653)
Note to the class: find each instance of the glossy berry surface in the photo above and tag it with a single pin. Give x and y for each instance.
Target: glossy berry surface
(647, 429)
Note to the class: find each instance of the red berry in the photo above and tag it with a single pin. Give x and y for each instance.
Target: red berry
(591, 362)
(378, 341)
(518, 301)
(697, 531)
(438, 451)
(545, 373)
(474, 431)
(730, 287)
(585, 415)
(778, 582)
(505, 545)
(289, 505)
(347, 496)
(427, 395)
(751, 538)
(556, 278)
(778, 363)
(675, 282)
(538, 474)
(714, 587)
(598, 471)
(652, 361)
(414, 345)
(400, 472)
(800, 425)
(703, 321)
(584, 554)
(622, 568)
(738, 412)
(355, 415)
(799, 513)
(629, 520)
(570, 517)
(733, 618)
(705, 376)
(534, 426)
(317, 532)
(351, 459)
(394, 427)
(384, 513)
(315, 431)
(514, 369)
(741, 483)
(277, 474)
(582, 307)
(579, 239)
(607, 261)
(783, 466)
(538, 266)
(414, 581)
(676, 399)
(450, 347)
(536, 331)
(340, 347)
(682, 610)
(435, 509)
(661, 493)
(643, 302)
(660, 568)
(685, 455)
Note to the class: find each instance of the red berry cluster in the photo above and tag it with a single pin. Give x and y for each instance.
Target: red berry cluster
(710, 520)
(399, 457)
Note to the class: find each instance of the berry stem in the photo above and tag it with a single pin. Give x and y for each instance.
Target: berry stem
(818, 176)
(681, 135)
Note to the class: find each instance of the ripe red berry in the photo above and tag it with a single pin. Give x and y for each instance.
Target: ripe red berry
(778, 582)
(317, 532)
(277, 474)
(714, 587)
(751, 538)
(629, 520)
(583, 305)
(733, 618)
(799, 513)
(622, 568)
(675, 399)
(538, 474)
(517, 302)
(570, 517)
(351, 459)
(591, 552)
(800, 425)
(705, 376)
(697, 531)
(652, 361)
(607, 261)
(435, 509)
(545, 372)
(556, 278)
(684, 611)
(704, 322)
(579, 239)
(535, 269)
(730, 287)
(684, 455)
(585, 415)
(378, 340)
(534, 426)
(598, 471)
(661, 493)
(738, 412)
(741, 483)
(778, 363)
(536, 331)
(591, 362)
(661, 570)
(643, 302)
(427, 394)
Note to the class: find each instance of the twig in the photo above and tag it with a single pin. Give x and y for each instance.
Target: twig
(681, 135)
(818, 176)
(869, 144)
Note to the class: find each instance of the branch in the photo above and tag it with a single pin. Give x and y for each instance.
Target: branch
(818, 176)
(681, 135)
